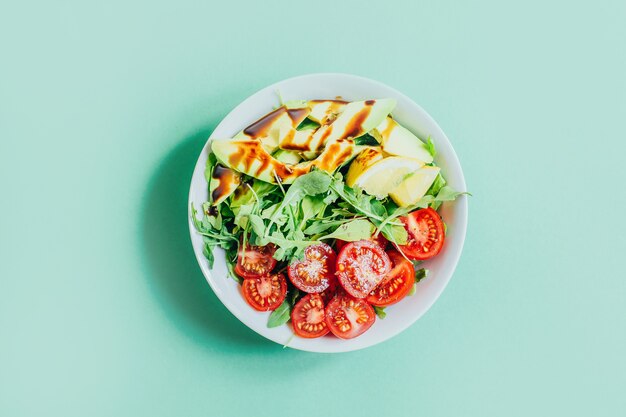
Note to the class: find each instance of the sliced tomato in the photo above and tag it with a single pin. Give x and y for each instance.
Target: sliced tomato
(332, 289)
(255, 261)
(380, 240)
(426, 234)
(396, 284)
(361, 266)
(316, 271)
(309, 318)
(349, 317)
(265, 293)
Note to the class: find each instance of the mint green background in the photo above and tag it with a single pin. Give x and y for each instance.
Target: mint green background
(105, 106)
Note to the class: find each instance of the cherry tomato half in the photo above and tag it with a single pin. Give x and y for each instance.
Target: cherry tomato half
(396, 284)
(315, 273)
(361, 266)
(255, 261)
(349, 317)
(309, 318)
(265, 293)
(426, 234)
(380, 240)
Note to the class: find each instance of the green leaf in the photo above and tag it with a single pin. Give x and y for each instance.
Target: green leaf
(322, 226)
(313, 183)
(380, 312)
(447, 193)
(395, 234)
(420, 274)
(207, 251)
(352, 231)
(430, 147)
(308, 124)
(231, 272)
(294, 295)
(367, 140)
(279, 316)
(258, 226)
(437, 185)
(310, 207)
(208, 169)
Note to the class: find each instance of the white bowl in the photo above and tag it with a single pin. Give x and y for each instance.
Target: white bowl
(410, 115)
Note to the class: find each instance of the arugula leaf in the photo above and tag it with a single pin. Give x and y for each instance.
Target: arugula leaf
(307, 124)
(310, 207)
(420, 274)
(208, 170)
(231, 272)
(367, 140)
(380, 312)
(352, 231)
(279, 316)
(313, 183)
(322, 226)
(294, 295)
(447, 193)
(207, 251)
(430, 147)
(395, 234)
(436, 186)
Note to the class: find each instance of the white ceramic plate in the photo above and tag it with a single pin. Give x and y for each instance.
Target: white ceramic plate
(410, 115)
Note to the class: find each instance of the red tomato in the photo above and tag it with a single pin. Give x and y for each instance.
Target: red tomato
(396, 284)
(255, 261)
(361, 266)
(380, 240)
(348, 317)
(315, 273)
(309, 318)
(330, 292)
(426, 234)
(265, 293)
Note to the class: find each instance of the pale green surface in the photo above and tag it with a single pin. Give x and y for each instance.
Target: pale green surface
(104, 108)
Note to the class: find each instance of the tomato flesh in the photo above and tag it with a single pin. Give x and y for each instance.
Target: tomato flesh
(315, 273)
(396, 284)
(265, 293)
(349, 317)
(380, 240)
(255, 261)
(425, 234)
(309, 317)
(361, 266)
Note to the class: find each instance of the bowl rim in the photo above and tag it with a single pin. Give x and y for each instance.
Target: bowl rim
(452, 160)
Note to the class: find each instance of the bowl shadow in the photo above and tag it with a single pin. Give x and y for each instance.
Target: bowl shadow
(172, 270)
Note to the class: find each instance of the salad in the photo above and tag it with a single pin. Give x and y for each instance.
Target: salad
(325, 210)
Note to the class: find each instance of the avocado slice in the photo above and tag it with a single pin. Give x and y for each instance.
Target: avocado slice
(288, 157)
(224, 181)
(357, 118)
(398, 140)
(363, 161)
(415, 186)
(267, 128)
(266, 131)
(249, 157)
(326, 111)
